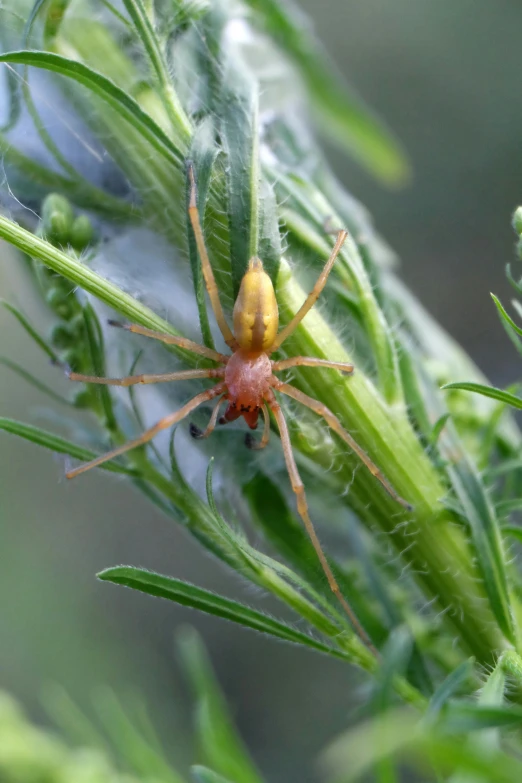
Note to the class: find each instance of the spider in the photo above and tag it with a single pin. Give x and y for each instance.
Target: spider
(245, 378)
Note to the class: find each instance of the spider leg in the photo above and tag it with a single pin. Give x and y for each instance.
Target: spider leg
(251, 442)
(302, 508)
(313, 296)
(162, 424)
(171, 339)
(334, 423)
(197, 433)
(311, 361)
(132, 380)
(208, 274)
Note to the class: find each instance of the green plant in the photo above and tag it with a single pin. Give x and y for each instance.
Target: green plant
(169, 81)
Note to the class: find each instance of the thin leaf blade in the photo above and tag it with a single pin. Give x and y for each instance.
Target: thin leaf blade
(341, 114)
(59, 445)
(203, 153)
(203, 600)
(486, 391)
(223, 748)
(105, 89)
(487, 541)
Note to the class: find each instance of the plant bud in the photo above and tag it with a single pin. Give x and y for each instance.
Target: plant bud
(57, 219)
(82, 233)
(516, 221)
(61, 338)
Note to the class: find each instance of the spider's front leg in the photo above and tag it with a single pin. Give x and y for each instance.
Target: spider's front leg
(334, 423)
(133, 380)
(162, 424)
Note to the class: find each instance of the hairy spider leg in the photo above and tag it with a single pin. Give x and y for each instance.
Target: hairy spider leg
(132, 380)
(302, 508)
(251, 442)
(171, 339)
(197, 433)
(162, 424)
(313, 296)
(334, 423)
(311, 361)
(208, 274)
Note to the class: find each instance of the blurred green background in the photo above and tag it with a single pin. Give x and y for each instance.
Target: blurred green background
(445, 76)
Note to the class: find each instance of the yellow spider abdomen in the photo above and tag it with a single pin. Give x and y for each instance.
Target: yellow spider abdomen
(256, 317)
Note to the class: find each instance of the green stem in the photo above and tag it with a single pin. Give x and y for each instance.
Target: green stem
(90, 281)
(437, 551)
(143, 21)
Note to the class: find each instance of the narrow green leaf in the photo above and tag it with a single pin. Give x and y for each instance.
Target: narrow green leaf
(505, 507)
(210, 491)
(44, 134)
(463, 717)
(513, 331)
(114, 11)
(57, 444)
(412, 390)
(438, 427)
(53, 19)
(517, 306)
(394, 662)
(491, 695)
(222, 747)
(512, 530)
(97, 353)
(239, 113)
(487, 391)
(143, 756)
(449, 687)
(20, 371)
(487, 540)
(506, 466)
(14, 101)
(197, 598)
(206, 775)
(71, 720)
(203, 154)
(31, 19)
(511, 279)
(108, 91)
(151, 44)
(31, 331)
(505, 316)
(339, 113)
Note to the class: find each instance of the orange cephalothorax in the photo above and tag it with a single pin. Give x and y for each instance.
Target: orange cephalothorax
(256, 317)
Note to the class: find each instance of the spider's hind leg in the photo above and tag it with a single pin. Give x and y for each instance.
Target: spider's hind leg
(302, 508)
